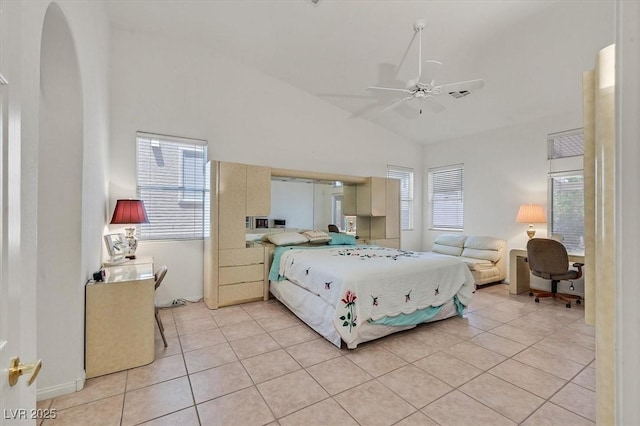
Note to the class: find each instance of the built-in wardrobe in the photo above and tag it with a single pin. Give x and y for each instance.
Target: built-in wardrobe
(236, 271)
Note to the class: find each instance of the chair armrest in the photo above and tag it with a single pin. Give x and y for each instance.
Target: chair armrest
(579, 266)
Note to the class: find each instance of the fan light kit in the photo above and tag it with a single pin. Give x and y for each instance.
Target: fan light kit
(425, 92)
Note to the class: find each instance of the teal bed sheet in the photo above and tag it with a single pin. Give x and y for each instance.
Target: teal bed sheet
(417, 317)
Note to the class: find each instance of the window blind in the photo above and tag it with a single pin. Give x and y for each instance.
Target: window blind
(405, 175)
(446, 186)
(565, 144)
(171, 181)
(566, 188)
(567, 209)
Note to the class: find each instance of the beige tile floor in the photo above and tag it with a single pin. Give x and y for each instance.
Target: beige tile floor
(508, 361)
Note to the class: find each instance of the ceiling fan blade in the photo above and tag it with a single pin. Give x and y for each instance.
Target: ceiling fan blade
(390, 88)
(396, 103)
(462, 85)
(434, 106)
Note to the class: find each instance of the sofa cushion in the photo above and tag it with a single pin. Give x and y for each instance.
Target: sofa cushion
(450, 244)
(490, 255)
(475, 264)
(486, 248)
(484, 243)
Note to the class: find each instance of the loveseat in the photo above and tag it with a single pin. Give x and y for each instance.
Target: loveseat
(485, 256)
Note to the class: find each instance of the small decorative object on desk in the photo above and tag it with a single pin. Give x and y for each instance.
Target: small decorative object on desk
(117, 247)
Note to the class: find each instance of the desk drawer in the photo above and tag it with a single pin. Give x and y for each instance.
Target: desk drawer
(244, 256)
(241, 274)
(239, 293)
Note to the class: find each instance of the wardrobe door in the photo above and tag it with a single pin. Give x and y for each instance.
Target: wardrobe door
(232, 205)
(258, 191)
(393, 208)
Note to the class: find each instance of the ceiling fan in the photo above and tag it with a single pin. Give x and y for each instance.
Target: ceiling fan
(425, 91)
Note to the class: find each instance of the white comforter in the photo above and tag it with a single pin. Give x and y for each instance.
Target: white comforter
(365, 282)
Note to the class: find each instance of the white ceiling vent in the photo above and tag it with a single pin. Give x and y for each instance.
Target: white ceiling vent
(460, 94)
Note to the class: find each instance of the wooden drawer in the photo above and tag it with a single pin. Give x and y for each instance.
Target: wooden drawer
(239, 293)
(241, 274)
(244, 256)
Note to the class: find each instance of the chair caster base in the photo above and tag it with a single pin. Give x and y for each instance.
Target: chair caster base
(568, 305)
(537, 300)
(578, 302)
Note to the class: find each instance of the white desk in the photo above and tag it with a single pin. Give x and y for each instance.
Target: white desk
(519, 274)
(119, 318)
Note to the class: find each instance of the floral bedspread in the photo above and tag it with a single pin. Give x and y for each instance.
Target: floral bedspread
(370, 282)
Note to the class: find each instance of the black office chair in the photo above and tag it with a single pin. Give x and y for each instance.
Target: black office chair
(548, 259)
(159, 276)
(333, 228)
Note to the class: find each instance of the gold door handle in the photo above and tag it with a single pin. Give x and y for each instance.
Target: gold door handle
(17, 369)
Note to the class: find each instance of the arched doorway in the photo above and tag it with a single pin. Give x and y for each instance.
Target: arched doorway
(59, 216)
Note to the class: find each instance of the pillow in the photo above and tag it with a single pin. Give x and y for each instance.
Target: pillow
(287, 238)
(317, 237)
(342, 239)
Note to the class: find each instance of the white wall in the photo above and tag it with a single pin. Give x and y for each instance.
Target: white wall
(503, 169)
(175, 88)
(60, 294)
(59, 201)
(507, 166)
(61, 329)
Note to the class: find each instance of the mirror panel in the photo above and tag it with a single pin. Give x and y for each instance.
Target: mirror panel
(305, 204)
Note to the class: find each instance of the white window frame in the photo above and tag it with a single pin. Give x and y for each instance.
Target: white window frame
(451, 222)
(188, 202)
(565, 162)
(406, 176)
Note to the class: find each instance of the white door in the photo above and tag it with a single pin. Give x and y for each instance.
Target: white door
(17, 402)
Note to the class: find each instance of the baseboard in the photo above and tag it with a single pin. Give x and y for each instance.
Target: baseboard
(61, 389)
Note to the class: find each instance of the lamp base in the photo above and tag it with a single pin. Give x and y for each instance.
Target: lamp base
(531, 232)
(132, 242)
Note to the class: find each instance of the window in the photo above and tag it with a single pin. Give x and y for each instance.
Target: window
(566, 188)
(405, 176)
(171, 181)
(567, 209)
(446, 197)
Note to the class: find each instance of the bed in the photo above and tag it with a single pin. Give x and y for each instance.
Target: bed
(354, 294)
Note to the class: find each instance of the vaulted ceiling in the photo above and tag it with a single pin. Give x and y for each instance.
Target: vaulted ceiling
(531, 54)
